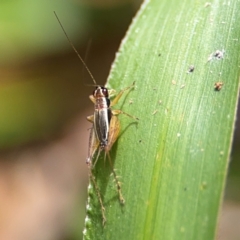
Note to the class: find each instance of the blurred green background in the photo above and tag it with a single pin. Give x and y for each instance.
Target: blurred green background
(42, 81)
(43, 106)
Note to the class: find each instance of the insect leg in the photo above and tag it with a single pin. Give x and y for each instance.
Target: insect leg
(93, 145)
(92, 148)
(118, 183)
(114, 130)
(98, 193)
(117, 112)
(90, 118)
(116, 99)
(92, 98)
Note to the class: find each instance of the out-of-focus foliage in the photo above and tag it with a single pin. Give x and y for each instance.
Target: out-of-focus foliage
(29, 28)
(40, 87)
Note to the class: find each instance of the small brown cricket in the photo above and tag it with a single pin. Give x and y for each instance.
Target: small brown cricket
(105, 127)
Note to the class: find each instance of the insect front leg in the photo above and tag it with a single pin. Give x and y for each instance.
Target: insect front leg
(116, 99)
(119, 95)
(92, 98)
(90, 118)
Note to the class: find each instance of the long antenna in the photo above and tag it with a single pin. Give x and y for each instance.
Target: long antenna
(75, 50)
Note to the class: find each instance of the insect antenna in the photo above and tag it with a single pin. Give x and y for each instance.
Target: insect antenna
(75, 50)
(89, 43)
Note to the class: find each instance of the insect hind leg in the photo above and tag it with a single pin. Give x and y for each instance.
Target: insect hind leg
(98, 193)
(93, 146)
(118, 183)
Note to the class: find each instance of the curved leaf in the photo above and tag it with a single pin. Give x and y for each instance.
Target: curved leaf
(173, 163)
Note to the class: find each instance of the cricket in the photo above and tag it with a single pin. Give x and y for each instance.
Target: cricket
(105, 128)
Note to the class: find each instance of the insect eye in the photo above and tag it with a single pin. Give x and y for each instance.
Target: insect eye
(105, 91)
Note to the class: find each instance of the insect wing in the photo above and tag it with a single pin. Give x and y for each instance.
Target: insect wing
(114, 130)
(101, 125)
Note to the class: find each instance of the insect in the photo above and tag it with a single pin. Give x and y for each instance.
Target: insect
(190, 69)
(216, 55)
(218, 86)
(104, 132)
(105, 127)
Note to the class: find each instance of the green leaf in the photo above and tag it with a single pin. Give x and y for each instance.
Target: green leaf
(173, 163)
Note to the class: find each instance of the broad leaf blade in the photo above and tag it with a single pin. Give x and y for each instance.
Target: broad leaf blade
(173, 163)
